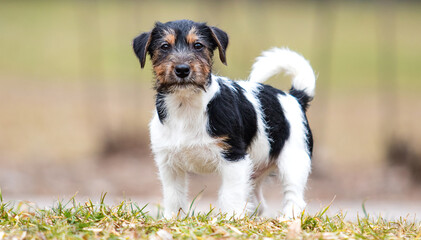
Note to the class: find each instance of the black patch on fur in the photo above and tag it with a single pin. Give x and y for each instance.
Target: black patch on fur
(161, 108)
(232, 116)
(309, 137)
(302, 98)
(277, 127)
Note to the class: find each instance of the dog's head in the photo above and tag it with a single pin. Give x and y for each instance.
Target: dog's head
(181, 53)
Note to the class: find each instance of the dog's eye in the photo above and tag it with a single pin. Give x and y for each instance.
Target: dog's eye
(198, 46)
(165, 46)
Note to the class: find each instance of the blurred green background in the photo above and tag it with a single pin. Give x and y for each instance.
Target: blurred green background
(75, 105)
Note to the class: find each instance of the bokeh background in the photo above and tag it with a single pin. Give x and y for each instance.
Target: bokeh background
(75, 105)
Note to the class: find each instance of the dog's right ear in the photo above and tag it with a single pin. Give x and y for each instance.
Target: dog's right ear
(140, 46)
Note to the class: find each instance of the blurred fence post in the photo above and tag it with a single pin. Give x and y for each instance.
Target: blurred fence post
(90, 65)
(323, 50)
(397, 149)
(387, 80)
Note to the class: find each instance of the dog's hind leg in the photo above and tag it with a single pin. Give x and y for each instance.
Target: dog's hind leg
(294, 161)
(236, 187)
(294, 168)
(259, 200)
(260, 177)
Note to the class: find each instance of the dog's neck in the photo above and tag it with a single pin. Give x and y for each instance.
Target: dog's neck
(186, 102)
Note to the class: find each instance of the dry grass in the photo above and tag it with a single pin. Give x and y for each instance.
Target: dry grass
(127, 220)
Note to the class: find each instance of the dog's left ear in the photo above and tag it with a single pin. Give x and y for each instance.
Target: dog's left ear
(140, 46)
(221, 39)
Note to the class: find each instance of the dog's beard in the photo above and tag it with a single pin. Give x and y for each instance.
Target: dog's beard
(171, 84)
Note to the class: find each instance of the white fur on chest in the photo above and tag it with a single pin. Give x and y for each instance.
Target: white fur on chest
(182, 140)
(191, 150)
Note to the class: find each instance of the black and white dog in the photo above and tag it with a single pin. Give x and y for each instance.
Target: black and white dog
(243, 130)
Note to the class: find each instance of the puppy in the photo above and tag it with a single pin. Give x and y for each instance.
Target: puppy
(243, 130)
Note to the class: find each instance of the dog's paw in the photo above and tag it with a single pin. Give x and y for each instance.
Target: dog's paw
(174, 214)
(237, 212)
(292, 210)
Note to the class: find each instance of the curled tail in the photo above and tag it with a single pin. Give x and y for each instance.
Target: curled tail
(279, 60)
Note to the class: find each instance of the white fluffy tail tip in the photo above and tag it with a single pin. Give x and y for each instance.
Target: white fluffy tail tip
(277, 60)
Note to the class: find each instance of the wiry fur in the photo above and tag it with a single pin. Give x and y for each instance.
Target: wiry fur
(279, 60)
(242, 130)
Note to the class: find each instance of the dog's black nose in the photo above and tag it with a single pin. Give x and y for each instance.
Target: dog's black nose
(182, 70)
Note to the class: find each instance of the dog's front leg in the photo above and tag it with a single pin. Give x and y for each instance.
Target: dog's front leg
(174, 186)
(236, 187)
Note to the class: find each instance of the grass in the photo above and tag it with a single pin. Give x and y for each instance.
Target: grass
(127, 220)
